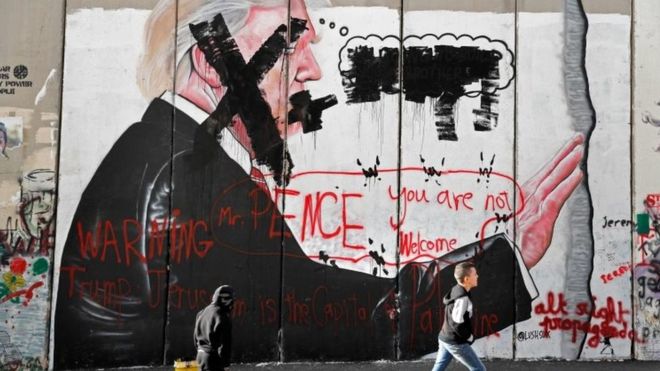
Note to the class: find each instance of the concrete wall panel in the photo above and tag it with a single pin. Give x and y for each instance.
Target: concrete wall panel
(457, 149)
(646, 301)
(547, 126)
(30, 77)
(346, 174)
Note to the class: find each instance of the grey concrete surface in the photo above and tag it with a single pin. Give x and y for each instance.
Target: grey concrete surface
(426, 366)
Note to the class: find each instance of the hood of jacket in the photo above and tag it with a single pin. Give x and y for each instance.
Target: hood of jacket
(456, 292)
(223, 292)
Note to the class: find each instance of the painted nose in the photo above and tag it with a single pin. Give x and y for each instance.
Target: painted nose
(308, 69)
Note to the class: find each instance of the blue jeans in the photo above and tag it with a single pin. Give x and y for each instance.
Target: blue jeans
(462, 352)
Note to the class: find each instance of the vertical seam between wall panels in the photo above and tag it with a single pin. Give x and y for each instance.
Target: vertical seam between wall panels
(515, 167)
(51, 274)
(632, 174)
(285, 170)
(397, 342)
(166, 310)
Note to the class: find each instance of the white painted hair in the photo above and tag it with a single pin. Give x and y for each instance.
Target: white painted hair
(155, 72)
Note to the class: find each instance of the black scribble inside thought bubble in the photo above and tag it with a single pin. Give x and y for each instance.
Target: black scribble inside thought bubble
(443, 68)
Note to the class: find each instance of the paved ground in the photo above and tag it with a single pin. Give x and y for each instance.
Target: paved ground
(426, 366)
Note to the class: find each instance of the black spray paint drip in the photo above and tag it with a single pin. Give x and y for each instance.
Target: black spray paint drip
(370, 172)
(243, 96)
(309, 111)
(326, 259)
(441, 72)
(323, 256)
(485, 171)
(431, 171)
(378, 258)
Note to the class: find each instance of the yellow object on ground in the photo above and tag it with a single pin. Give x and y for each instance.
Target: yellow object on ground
(180, 365)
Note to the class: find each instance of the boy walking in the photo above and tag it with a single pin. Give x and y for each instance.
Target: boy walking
(456, 334)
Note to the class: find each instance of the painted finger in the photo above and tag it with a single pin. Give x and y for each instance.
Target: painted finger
(561, 172)
(548, 169)
(556, 199)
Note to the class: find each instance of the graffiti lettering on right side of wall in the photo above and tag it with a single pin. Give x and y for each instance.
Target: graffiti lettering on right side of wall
(610, 319)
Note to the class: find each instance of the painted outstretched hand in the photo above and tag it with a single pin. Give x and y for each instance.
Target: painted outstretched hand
(544, 196)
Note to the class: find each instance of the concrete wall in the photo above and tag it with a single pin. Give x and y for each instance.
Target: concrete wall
(645, 299)
(516, 135)
(30, 83)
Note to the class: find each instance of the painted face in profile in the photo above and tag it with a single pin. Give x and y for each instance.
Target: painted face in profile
(302, 66)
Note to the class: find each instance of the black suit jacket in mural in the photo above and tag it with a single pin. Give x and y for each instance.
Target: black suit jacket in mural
(168, 195)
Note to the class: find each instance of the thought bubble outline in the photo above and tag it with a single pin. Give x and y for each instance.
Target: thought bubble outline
(506, 64)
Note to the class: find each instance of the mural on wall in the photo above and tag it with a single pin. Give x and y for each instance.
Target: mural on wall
(335, 183)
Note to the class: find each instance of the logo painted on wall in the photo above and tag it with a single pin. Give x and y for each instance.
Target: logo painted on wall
(20, 72)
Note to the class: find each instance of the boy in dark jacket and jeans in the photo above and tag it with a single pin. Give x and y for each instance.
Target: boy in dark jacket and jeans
(456, 333)
(213, 331)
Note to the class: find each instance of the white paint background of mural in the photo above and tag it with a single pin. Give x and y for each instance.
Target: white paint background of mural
(646, 141)
(419, 137)
(350, 132)
(544, 127)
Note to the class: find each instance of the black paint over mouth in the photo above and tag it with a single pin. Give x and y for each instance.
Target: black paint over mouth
(307, 111)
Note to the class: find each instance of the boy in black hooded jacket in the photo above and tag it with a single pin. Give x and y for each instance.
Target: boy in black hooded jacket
(456, 334)
(213, 331)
